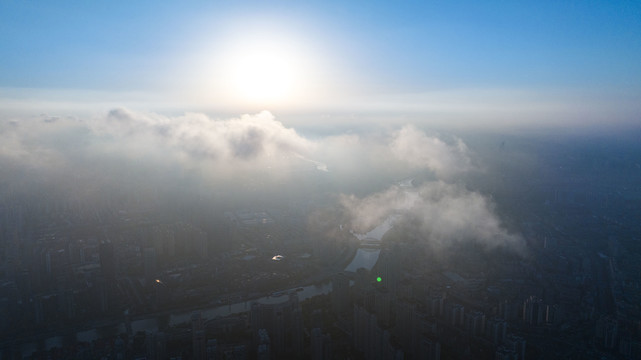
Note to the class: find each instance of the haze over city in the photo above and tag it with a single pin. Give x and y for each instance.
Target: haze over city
(324, 180)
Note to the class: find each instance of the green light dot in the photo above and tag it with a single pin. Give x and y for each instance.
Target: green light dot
(379, 279)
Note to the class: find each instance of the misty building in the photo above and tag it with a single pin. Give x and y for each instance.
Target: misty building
(455, 314)
(435, 305)
(607, 332)
(264, 351)
(503, 353)
(340, 294)
(5, 314)
(495, 330)
(383, 306)
(38, 310)
(212, 349)
(516, 344)
(510, 310)
(107, 261)
(149, 263)
(157, 346)
(282, 318)
(55, 263)
(475, 323)
(317, 319)
(425, 325)
(201, 244)
(67, 303)
(233, 351)
(429, 349)
(372, 340)
(199, 342)
(361, 334)
(404, 324)
(389, 266)
(534, 311)
(320, 346)
(164, 240)
(102, 294)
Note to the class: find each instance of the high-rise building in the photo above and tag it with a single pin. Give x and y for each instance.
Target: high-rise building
(435, 305)
(199, 341)
(158, 346)
(404, 324)
(607, 332)
(510, 310)
(373, 341)
(534, 311)
(102, 294)
(282, 318)
(317, 318)
(212, 349)
(503, 353)
(455, 314)
(320, 347)
(496, 330)
(360, 332)
(67, 303)
(263, 352)
(516, 344)
(429, 349)
(107, 261)
(475, 323)
(340, 294)
(389, 266)
(382, 306)
(149, 263)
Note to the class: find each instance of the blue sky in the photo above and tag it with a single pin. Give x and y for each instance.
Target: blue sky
(369, 52)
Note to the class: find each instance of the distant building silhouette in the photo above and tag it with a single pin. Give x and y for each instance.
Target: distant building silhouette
(282, 318)
(199, 342)
(264, 351)
(149, 264)
(107, 260)
(340, 294)
(320, 346)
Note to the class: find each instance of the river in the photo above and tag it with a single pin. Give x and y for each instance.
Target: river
(153, 324)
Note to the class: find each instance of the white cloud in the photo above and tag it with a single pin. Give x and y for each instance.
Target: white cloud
(444, 214)
(151, 151)
(140, 150)
(250, 137)
(421, 151)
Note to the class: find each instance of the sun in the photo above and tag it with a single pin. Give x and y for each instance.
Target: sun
(257, 68)
(264, 72)
(264, 75)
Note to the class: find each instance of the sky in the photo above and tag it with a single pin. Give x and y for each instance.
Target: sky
(493, 63)
(333, 103)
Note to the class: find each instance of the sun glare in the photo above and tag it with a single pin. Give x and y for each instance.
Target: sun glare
(263, 72)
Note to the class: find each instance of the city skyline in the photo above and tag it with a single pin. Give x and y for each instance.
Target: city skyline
(325, 180)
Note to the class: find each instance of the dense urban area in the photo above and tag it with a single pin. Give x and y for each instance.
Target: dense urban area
(129, 278)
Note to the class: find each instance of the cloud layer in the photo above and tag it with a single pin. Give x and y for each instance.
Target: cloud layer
(443, 213)
(149, 156)
(248, 138)
(123, 136)
(145, 151)
(421, 151)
